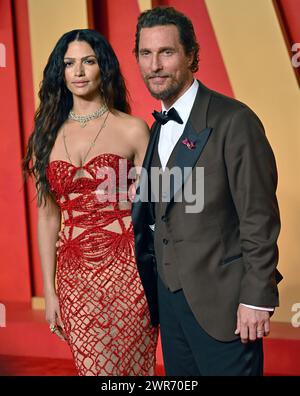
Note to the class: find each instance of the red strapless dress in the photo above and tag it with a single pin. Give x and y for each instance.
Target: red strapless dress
(102, 301)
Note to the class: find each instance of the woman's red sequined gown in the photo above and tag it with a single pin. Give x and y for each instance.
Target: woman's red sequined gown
(101, 297)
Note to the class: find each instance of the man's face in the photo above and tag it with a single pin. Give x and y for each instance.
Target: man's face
(163, 63)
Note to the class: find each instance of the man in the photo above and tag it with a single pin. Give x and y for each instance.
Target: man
(213, 270)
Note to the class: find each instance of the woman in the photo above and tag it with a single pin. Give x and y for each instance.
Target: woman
(82, 143)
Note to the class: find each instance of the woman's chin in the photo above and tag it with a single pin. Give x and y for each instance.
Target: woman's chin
(90, 95)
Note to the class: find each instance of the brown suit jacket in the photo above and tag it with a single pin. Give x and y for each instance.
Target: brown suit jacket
(228, 252)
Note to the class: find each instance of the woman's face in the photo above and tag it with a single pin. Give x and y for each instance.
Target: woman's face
(82, 72)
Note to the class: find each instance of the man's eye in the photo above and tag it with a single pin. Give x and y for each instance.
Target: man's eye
(145, 53)
(168, 52)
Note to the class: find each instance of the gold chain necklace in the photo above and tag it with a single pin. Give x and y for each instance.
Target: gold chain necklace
(91, 146)
(84, 119)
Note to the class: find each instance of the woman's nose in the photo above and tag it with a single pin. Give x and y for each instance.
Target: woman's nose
(79, 69)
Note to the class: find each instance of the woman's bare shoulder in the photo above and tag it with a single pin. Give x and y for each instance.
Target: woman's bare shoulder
(133, 126)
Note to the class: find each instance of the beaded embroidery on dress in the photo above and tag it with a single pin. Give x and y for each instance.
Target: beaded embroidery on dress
(102, 301)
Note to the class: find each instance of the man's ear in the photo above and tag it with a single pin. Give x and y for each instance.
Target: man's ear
(190, 57)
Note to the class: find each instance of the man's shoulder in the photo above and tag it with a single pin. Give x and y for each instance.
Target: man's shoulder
(234, 116)
(226, 106)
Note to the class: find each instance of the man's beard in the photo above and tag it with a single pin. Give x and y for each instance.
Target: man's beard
(171, 92)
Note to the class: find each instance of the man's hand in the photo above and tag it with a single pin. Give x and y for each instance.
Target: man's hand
(252, 323)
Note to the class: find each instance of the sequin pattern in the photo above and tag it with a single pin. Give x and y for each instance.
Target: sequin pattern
(101, 297)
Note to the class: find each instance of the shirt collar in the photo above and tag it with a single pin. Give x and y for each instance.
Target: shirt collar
(184, 104)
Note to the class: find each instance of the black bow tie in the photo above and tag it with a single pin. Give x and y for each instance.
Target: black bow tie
(164, 117)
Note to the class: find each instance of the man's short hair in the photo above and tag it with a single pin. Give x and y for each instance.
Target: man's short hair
(161, 16)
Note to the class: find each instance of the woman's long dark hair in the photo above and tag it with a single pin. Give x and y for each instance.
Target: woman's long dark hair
(56, 101)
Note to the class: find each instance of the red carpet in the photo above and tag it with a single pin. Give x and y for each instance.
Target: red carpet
(28, 348)
(28, 366)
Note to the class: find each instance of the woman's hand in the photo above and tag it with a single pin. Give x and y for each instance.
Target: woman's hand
(53, 316)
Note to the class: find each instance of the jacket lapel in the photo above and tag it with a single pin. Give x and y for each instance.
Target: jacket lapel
(197, 132)
(186, 157)
(143, 190)
(152, 142)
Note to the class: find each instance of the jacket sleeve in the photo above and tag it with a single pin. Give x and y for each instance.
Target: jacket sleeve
(252, 176)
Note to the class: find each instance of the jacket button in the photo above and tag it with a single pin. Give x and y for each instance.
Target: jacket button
(167, 263)
(165, 241)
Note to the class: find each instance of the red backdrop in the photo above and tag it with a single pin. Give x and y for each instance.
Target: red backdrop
(15, 283)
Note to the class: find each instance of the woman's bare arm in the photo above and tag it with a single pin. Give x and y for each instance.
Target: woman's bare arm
(49, 223)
